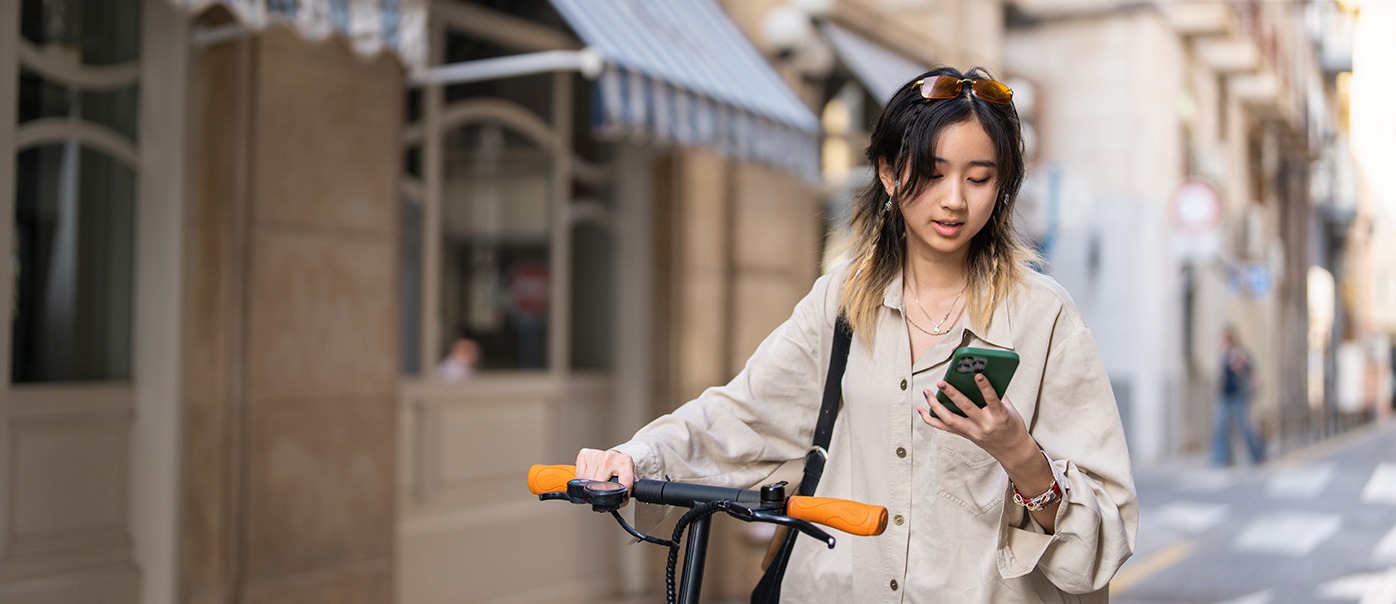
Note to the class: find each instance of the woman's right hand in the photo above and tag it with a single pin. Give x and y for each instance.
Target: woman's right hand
(594, 464)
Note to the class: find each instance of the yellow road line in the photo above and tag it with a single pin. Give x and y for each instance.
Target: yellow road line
(1134, 573)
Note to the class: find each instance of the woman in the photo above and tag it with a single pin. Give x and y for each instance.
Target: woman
(936, 266)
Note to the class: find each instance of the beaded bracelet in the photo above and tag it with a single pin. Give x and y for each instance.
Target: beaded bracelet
(1051, 496)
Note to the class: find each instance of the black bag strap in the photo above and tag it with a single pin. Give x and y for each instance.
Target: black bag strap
(829, 408)
(768, 588)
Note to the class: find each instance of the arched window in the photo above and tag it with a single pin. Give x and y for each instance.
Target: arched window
(508, 220)
(75, 159)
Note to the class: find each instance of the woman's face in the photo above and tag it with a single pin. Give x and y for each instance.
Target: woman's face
(959, 199)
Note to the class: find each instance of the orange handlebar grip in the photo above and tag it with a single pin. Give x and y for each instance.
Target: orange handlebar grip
(549, 479)
(842, 514)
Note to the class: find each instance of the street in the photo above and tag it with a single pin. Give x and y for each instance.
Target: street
(1317, 525)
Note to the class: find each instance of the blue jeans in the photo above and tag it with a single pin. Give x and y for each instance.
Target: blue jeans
(1234, 412)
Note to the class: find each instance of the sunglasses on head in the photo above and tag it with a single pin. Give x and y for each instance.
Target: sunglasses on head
(949, 87)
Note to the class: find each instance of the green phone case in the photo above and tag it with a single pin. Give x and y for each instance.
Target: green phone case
(997, 365)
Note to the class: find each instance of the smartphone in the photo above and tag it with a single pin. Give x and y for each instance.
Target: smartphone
(997, 365)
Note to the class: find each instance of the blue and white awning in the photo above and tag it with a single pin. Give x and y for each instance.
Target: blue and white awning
(371, 26)
(681, 72)
(881, 71)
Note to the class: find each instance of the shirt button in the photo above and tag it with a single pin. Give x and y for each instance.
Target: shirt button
(894, 585)
(901, 452)
(903, 384)
(898, 520)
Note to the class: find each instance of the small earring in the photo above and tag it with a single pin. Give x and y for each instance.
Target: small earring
(887, 207)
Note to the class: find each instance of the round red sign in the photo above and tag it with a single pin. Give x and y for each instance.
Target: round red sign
(1195, 207)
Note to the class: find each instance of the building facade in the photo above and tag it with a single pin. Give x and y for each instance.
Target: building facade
(245, 235)
(248, 238)
(1189, 180)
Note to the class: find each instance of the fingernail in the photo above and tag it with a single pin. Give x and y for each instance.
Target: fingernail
(942, 385)
(979, 378)
(926, 394)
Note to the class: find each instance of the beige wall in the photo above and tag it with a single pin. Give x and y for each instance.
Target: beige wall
(745, 241)
(1097, 113)
(468, 530)
(290, 311)
(1114, 127)
(956, 33)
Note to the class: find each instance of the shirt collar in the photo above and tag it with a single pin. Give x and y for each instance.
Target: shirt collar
(999, 331)
(892, 296)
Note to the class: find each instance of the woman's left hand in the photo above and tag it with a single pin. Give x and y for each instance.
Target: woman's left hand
(997, 427)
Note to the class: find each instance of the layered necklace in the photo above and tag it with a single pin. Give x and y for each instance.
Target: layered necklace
(938, 328)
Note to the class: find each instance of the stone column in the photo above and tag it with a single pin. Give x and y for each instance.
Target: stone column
(290, 315)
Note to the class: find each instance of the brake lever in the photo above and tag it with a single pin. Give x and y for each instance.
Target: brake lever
(742, 512)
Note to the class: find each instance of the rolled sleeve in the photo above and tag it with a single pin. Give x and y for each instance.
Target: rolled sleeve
(1097, 519)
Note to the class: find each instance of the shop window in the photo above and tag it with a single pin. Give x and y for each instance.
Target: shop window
(487, 267)
(89, 32)
(593, 284)
(74, 202)
(495, 287)
(73, 219)
(847, 117)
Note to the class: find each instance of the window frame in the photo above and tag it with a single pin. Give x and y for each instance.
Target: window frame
(553, 133)
(16, 54)
(135, 411)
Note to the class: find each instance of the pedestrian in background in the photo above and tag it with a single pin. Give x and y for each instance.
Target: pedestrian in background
(1234, 408)
(1027, 499)
(461, 362)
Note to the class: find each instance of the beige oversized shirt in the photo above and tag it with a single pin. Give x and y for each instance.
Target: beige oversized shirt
(955, 534)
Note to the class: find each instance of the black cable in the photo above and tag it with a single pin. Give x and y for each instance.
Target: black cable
(641, 536)
(700, 510)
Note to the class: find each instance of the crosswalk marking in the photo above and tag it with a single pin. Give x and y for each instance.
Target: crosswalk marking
(1207, 479)
(1381, 488)
(1291, 533)
(1386, 549)
(1300, 482)
(1191, 517)
(1366, 588)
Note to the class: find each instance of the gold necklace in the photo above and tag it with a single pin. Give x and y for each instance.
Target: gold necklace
(918, 327)
(936, 326)
(936, 333)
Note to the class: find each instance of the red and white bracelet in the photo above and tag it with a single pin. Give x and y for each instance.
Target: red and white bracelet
(1051, 496)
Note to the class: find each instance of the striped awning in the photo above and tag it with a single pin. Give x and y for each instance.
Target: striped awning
(880, 70)
(681, 72)
(371, 26)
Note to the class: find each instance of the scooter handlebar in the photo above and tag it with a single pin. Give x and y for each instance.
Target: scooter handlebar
(848, 516)
(549, 479)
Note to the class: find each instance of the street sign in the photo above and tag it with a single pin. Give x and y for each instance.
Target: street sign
(1195, 208)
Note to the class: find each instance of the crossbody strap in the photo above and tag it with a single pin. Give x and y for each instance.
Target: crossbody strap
(768, 588)
(828, 408)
